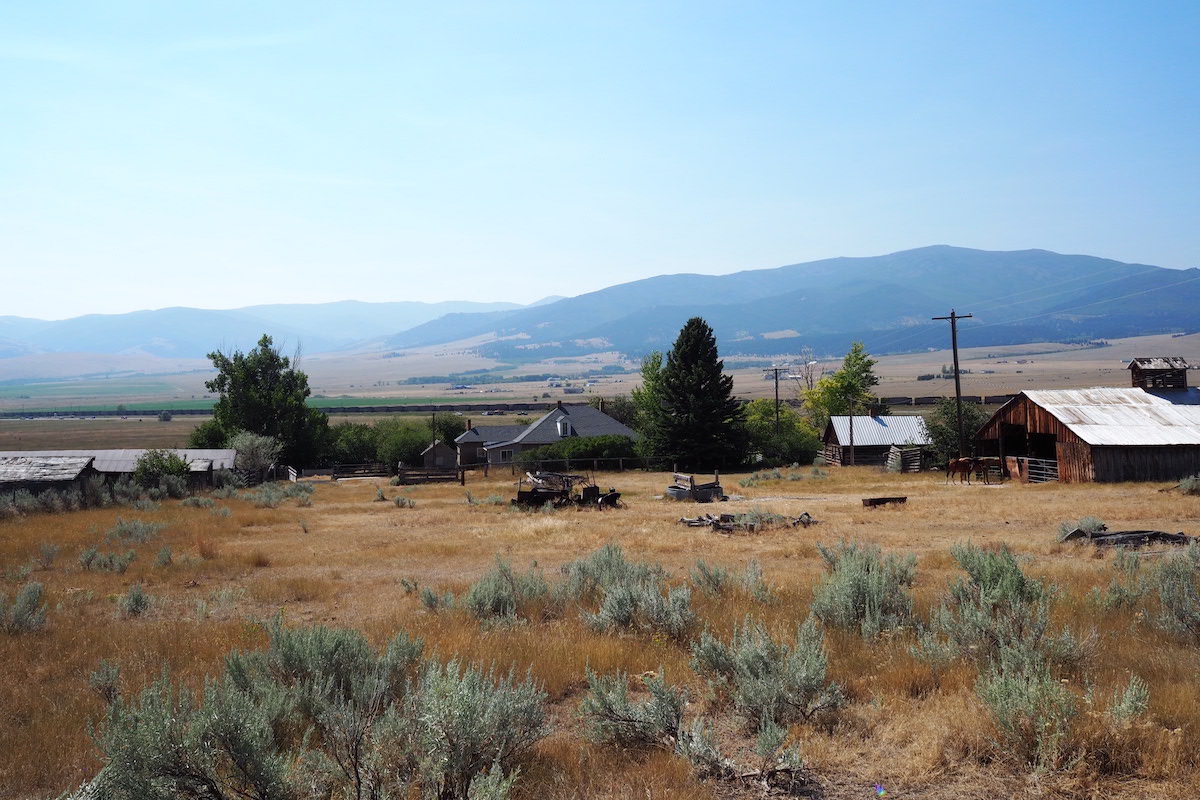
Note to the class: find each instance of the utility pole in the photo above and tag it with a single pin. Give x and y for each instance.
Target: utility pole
(954, 318)
(776, 371)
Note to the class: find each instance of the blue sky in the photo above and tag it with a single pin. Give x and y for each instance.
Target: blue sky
(225, 154)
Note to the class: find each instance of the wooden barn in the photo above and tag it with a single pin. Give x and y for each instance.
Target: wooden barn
(1103, 434)
(874, 438)
(34, 473)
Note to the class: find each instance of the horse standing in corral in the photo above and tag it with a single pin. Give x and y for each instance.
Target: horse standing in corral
(985, 464)
(962, 467)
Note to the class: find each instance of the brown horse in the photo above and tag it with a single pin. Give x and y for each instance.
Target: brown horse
(962, 467)
(985, 465)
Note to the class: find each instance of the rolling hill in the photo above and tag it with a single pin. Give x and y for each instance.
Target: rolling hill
(885, 301)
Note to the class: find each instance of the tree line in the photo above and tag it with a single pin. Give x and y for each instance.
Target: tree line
(684, 412)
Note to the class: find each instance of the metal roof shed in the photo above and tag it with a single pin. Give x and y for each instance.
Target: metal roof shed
(873, 437)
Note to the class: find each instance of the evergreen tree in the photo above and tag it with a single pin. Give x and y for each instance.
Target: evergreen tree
(698, 424)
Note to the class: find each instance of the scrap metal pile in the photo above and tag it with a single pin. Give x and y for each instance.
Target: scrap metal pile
(560, 490)
(752, 522)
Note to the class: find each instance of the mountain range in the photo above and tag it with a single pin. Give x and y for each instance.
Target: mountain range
(885, 301)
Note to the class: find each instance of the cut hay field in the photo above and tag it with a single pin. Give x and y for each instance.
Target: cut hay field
(348, 560)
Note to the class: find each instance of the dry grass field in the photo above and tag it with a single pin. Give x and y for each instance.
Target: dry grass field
(344, 560)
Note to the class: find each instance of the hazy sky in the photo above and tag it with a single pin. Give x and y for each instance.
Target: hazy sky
(223, 154)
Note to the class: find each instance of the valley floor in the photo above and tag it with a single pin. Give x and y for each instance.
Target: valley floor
(348, 559)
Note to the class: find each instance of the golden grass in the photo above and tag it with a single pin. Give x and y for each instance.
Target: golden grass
(340, 562)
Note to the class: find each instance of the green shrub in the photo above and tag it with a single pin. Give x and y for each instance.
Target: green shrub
(467, 720)
(1130, 703)
(644, 608)
(864, 591)
(155, 465)
(268, 495)
(1178, 597)
(198, 502)
(106, 681)
(435, 602)
(25, 502)
(1085, 524)
(163, 558)
(91, 559)
(126, 492)
(588, 577)
(712, 580)
(753, 583)
(1031, 708)
(87, 557)
(1128, 587)
(47, 553)
(1190, 485)
(612, 718)
(998, 607)
(501, 592)
(135, 602)
(96, 493)
(133, 530)
(769, 680)
(27, 613)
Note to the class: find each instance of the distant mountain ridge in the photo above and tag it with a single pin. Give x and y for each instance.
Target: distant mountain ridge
(192, 332)
(885, 301)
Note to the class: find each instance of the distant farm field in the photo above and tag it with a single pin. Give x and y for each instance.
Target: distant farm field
(912, 728)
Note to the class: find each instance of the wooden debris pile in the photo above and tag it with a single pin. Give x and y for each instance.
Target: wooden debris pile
(1107, 538)
(752, 523)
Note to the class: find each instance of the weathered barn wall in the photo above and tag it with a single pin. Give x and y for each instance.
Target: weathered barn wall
(1168, 463)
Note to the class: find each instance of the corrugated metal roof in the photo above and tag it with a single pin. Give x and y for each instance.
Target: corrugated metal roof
(38, 469)
(1121, 416)
(881, 431)
(1159, 362)
(124, 461)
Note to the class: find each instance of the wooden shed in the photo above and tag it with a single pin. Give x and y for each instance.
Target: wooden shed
(439, 455)
(36, 473)
(873, 438)
(1104, 434)
(1159, 372)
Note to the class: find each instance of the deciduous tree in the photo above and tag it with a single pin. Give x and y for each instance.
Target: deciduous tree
(262, 392)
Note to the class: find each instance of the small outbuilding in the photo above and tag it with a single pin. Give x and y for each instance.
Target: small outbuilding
(37, 473)
(439, 455)
(115, 464)
(868, 440)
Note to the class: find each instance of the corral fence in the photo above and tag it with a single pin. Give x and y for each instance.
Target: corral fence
(371, 470)
(1039, 470)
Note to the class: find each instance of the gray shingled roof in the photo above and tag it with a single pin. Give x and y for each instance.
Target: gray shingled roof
(490, 434)
(1159, 362)
(896, 429)
(41, 469)
(585, 421)
(124, 461)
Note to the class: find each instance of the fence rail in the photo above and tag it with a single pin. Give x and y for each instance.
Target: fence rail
(1040, 470)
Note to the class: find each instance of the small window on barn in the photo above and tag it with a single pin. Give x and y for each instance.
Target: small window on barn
(506, 456)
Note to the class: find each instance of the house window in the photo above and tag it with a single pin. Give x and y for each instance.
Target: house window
(505, 456)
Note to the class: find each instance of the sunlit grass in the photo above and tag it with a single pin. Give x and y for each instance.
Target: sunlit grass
(348, 561)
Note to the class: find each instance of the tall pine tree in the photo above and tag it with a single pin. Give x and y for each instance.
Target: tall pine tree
(698, 424)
